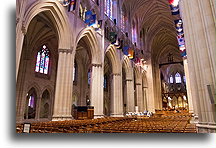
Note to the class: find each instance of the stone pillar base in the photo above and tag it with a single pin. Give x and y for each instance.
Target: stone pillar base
(98, 116)
(116, 115)
(62, 118)
(206, 127)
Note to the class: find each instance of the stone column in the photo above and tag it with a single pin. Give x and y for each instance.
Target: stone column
(20, 33)
(116, 97)
(139, 96)
(130, 95)
(64, 83)
(144, 98)
(188, 86)
(199, 28)
(96, 90)
(149, 76)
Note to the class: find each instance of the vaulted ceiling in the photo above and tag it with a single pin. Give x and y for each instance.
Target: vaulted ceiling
(156, 23)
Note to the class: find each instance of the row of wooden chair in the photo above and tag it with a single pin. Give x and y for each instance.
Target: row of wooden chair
(170, 123)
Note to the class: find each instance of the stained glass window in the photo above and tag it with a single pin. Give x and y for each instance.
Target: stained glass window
(134, 35)
(42, 62)
(177, 78)
(171, 79)
(74, 71)
(105, 82)
(31, 101)
(89, 77)
(108, 8)
(123, 20)
(184, 78)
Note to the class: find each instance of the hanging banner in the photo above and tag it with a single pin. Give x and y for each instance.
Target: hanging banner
(125, 50)
(113, 37)
(174, 6)
(88, 15)
(65, 3)
(72, 5)
(130, 53)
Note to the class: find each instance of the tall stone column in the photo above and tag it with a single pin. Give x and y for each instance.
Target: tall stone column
(20, 33)
(116, 97)
(64, 83)
(130, 95)
(150, 99)
(199, 28)
(97, 90)
(191, 104)
(139, 96)
(145, 98)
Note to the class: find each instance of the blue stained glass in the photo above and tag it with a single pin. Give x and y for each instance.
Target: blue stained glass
(42, 62)
(178, 78)
(46, 65)
(37, 62)
(171, 79)
(89, 77)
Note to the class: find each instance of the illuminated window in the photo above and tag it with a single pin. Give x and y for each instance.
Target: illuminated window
(177, 78)
(123, 20)
(134, 35)
(42, 63)
(89, 77)
(31, 101)
(105, 82)
(184, 79)
(171, 79)
(74, 71)
(108, 8)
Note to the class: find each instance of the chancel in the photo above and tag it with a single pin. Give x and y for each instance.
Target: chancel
(115, 66)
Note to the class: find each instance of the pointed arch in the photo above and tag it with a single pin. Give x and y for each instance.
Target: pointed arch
(60, 20)
(89, 35)
(112, 55)
(126, 64)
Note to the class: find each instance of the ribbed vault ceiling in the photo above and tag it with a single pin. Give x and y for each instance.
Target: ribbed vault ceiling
(155, 21)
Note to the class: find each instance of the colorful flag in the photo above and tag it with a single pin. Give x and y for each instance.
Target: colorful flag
(179, 27)
(120, 44)
(174, 9)
(130, 53)
(88, 15)
(92, 20)
(180, 41)
(65, 3)
(125, 50)
(183, 53)
(72, 5)
(182, 47)
(112, 37)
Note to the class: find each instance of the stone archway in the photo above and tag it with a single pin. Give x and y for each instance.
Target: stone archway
(58, 37)
(138, 88)
(59, 19)
(87, 44)
(127, 84)
(116, 100)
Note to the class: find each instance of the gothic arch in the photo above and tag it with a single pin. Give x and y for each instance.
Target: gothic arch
(126, 63)
(112, 55)
(60, 20)
(88, 34)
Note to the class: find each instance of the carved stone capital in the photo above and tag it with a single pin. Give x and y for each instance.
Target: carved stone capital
(23, 29)
(116, 74)
(129, 80)
(65, 51)
(96, 65)
(138, 84)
